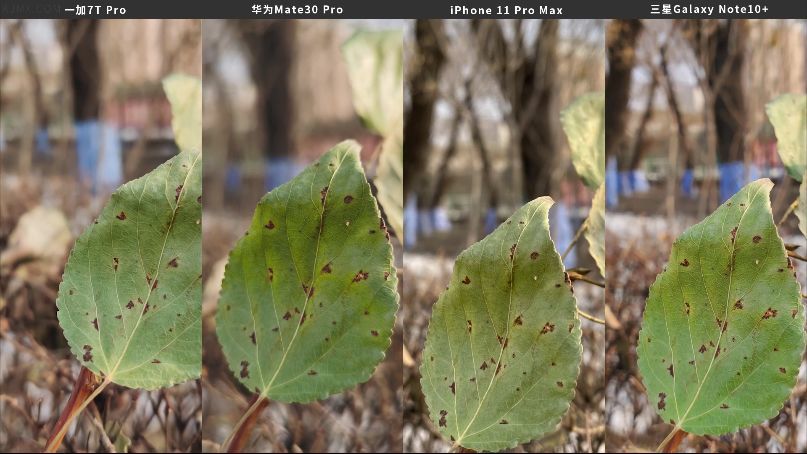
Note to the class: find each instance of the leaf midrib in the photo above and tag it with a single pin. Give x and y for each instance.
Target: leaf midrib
(507, 326)
(680, 423)
(268, 387)
(182, 193)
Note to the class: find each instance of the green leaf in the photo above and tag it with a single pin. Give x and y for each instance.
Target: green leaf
(185, 94)
(801, 210)
(584, 124)
(788, 115)
(309, 293)
(389, 181)
(375, 68)
(722, 336)
(595, 229)
(130, 298)
(503, 349)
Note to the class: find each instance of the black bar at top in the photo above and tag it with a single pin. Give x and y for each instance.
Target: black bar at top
(412, 9)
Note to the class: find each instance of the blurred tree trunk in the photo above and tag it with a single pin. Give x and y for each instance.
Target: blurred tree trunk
(429, 59)
(620, 42)
(530, 87)
(640, 143)
(720, 47)
(684, 144)
(223, 139)
(725, 78)
(484, 155)
(40, 111)
(441, 177)
(270, 45)
(85, 68)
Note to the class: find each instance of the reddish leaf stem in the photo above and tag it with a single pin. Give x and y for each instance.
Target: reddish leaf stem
(85, 389)
(243, 429)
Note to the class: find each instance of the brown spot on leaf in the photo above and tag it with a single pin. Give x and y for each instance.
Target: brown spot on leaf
(95, 323)
(154, 285)
(178, 191)
(738, 305)
(312, 372)
(484, 365)
(119, 316)
(252, 338)
(270, 274)
(770, 312)
(686, 308)
(692, 363)
(361, 276)
(685, 262)
(287, 315)
(512, 252)
(733, 234)
(348, 198)
(327, 268)
(453, 388)
(702, 349)
(559, 383)
(121, 216)
(548, 328)
(115, 263)
(756, 239)
(155, 361)
(470, 325)
(87, 353)
(442, 421)
(518, 321)
(661, 403)
(322, 194)
(534, 255)
(270, 225)
(386, 275)
(374, 333)
(130, 304)
(782, 370)
(174, 263)
(503, 421)
(466, 281)
(724, 406)
(244, 369)
(793, 313)
(671, 370)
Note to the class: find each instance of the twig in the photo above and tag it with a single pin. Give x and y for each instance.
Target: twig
(573, 276)
(796, 256)
(574, 241)
(775, 435)
(789, 211)
(590, 317)
(103, 436)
